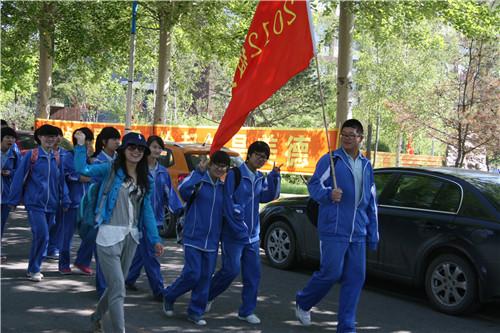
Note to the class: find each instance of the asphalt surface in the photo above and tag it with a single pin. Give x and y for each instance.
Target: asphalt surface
(64, 303)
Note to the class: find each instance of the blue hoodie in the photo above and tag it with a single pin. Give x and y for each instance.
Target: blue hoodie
(241, 205)
(147, 220)
(12, 161)
(345, 220)
(203, 221)
(41, 185)
(163, 193)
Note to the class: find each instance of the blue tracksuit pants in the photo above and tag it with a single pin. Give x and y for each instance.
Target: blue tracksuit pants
(236, 257)
(5, 216)
(84, 257)
(40, 223)
(56, 234)
(145, 256)
(342, 262)
(67, 231)
(198, 269)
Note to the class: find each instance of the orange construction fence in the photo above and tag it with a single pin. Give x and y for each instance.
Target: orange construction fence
(296, 149)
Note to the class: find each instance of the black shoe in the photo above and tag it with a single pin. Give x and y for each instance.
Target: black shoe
(158, 298)
(131, 287)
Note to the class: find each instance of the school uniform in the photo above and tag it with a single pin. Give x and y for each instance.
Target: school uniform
(240, 233)
(345, 229)
(201, 234)
(162, 195)
(76, 190)
(41, 186)
(55, 231)
(10, 161)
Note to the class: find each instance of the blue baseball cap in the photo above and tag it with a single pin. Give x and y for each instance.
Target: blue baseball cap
(134, 138)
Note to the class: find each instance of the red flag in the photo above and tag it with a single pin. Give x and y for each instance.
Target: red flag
(279, 44)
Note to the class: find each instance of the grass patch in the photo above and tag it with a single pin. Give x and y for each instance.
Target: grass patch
(293, 188)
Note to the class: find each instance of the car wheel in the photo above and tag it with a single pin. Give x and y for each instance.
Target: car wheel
(451, 284)
(168, 225)
(280, 245)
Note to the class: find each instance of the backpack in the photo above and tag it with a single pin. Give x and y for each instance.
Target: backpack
(86, 220)
(34, 158)
(312, 208)
(179, 224)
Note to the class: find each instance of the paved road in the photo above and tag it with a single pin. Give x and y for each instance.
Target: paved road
(63, 303)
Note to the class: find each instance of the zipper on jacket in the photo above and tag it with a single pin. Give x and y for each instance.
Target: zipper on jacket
(211, 215)
(48, 181)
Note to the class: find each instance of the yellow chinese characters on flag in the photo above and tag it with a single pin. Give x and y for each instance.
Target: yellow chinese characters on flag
(296, 149)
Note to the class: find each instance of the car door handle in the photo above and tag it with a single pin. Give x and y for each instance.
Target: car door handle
(431, 226)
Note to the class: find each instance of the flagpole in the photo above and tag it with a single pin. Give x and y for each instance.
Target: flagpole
(128, 114)
(332, 165)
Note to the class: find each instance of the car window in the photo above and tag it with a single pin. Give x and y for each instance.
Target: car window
(381, 180)
(166, 158)
(472, 207)
(424, 192)
(193, 160)
(448, 198)
(236, 161)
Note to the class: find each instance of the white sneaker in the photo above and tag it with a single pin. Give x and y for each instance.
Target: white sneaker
(197, 320)
(37, 277)
(208, 306)
(303, 316)
(251, 319)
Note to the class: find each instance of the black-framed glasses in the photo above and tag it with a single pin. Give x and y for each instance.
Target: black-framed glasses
(261, 156)
(350, 136)
(133, 147)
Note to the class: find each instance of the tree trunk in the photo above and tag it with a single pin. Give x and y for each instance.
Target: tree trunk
(369, 142)
(377, 138)
(344, 77)
(164, 56)
(45, 30)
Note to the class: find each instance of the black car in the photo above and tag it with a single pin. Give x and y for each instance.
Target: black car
(439, 228)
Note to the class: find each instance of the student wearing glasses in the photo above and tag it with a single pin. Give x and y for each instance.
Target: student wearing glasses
(203, 192)
(244, 189)
(125, 212)
(347, 223)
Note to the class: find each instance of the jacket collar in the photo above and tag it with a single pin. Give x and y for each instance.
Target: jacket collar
(342, 153)
(246, 173)
(207, 179)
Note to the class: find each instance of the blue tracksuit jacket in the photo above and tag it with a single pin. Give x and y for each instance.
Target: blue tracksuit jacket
(241, 205)
(76, 188)
(12, 162)
(345, 220)
(163, 193)
(41, 185)
(202, 226)
(147, 220)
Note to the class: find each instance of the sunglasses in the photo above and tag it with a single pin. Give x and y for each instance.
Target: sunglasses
(133, 147)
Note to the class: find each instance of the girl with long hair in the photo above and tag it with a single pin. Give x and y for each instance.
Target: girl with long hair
(126, 211)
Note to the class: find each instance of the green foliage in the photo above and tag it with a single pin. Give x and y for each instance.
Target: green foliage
(290, 188)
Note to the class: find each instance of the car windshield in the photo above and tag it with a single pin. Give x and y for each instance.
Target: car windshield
(489, 187)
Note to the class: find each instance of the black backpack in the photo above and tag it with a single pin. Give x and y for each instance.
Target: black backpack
(312, 208)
